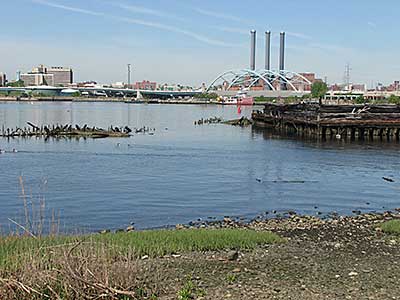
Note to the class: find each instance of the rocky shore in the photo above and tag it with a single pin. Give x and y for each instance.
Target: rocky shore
(337, 258)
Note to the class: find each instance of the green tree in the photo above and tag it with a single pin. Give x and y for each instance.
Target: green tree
(18, 83)
(319, 90)
(360, 100)
(393, 99)
(208, 96)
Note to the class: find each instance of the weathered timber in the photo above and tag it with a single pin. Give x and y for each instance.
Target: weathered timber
(339, 121)
(67, 130)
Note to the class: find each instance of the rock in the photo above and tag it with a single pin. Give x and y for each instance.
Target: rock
(179, 227)
(237, 270)
(338, 246)
(233, 255)
(145, 257)
(352, 274)
(130, 229)
(105, 231)
(227, 220)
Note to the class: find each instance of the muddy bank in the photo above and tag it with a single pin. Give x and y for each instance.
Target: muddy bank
(340, 258)
(337, 258)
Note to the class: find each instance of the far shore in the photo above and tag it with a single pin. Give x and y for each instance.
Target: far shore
(116, 100)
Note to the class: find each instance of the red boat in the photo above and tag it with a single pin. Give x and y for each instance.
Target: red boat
(240, 98)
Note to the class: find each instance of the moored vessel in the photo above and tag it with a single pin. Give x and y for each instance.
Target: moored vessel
(241, 98)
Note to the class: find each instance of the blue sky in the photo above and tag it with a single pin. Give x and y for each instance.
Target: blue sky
(190, 41)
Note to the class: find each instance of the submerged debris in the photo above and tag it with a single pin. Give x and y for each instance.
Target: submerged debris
(212, 120)
(217, 120)
(65, 131)
(388, 179)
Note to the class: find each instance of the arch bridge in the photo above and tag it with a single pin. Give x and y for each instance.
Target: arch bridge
(271, 80)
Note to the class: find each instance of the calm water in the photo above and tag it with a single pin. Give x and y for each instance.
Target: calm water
(183, 172)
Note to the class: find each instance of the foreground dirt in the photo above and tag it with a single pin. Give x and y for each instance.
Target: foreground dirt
(346, 258)
(339, 258)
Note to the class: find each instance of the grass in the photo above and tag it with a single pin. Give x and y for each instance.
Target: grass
(84, 267)
(152, 243)
(36, 266)
(391, 227)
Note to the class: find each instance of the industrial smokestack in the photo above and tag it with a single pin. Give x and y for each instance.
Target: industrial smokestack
(268, 50)
(253, 50)
(282, 53)
(282, 59)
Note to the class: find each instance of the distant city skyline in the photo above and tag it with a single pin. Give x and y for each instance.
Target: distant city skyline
(191, 42)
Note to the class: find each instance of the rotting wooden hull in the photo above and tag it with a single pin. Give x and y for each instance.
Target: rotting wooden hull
(340, 121)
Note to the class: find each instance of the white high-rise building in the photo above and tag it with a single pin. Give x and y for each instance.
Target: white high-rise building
(3, 79)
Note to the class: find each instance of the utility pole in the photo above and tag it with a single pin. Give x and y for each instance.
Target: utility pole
(129, 75)
(347, 75)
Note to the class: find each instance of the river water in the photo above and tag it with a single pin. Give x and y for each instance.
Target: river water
(183, 172)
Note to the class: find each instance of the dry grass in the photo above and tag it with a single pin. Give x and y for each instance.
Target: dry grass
(74, 271)
(104, 266)
(36, 262)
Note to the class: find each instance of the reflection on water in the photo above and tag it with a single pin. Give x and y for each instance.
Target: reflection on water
(185, 172)
(329, 142)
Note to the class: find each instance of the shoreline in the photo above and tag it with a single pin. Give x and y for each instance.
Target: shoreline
(118, 100)
(346, 258)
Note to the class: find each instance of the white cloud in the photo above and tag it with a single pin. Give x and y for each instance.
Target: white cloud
(175, 29)
(299, 35)
(234, 30)
(218, 15)
(372, 24)
(331, 48)
(147, 11)
(68, 8)
(146, 23)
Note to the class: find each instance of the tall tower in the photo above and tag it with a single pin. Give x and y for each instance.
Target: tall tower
(347, 76)
(282, 59)
(129, 75)
(282, 53)
(268, 50)
(253, 50)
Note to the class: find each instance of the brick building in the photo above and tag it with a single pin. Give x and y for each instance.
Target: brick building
(145, 85)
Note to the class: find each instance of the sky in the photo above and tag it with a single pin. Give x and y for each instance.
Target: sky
(190, 41)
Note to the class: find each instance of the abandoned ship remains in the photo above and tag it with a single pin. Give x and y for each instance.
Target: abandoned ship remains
(332, 121)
